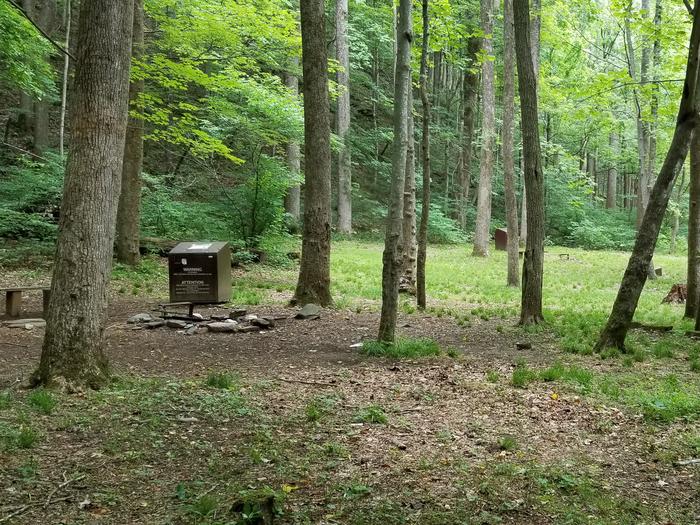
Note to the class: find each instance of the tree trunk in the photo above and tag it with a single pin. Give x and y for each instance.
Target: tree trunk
(74, 340)
(25, 119)
(533, 266)
(393, 253)
(483, 207)
(292, 205)
(408, 279)
(470, 88)
(508, 147)
(636, 274)
(425, 152)
(44, 16)
(64, 83)
(694, 229)
(343, 118)
(129, 210)
(611, 193)
(314, 272)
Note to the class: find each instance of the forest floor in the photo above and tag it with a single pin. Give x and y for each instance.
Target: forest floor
(226, 428)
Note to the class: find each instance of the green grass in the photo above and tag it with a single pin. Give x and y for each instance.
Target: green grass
(522, 375)
(221, 380)
(371, 414)
(402, 348)
(42, 400)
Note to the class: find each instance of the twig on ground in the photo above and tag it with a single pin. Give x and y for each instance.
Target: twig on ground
(317, 383)
(62, 485)
(28, 506)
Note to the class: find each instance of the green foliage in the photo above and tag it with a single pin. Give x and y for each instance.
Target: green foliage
(24, 56)
(221, 380)
(522, 375)
(42, 400)
(372, 414)
(402, 348)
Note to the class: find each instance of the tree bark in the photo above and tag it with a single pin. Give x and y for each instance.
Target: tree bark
(408, 279)
(129, 209)
(25, 119)
(470, 89)
(615, 331)
(292, 205)
(533, 266)
(508, 147)
(64, 84)
(694, 229)
(44, 16)
(393, 253)
(343, 118)
(74, 339)
(488, 127)
(611, 192)
(313, 285)
(425, 154)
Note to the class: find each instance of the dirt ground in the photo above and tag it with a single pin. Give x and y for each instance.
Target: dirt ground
(441, 448)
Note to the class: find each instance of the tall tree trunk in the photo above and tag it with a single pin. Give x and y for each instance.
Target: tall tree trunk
(408, 279)
(693, 298)
(25, 118)
(292, 205)
(314, 272)
(470, 88)
(393, 253)
(425, 153)
(508, 147)
(74, 340)
(535, 28)
(533, 266)
(64, 84)
(343, 118)
(636, 274)
(488, 127)
(129, 210)
(611, 193)
(44, 16)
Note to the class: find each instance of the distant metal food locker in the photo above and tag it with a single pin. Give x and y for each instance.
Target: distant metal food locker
(200, 272)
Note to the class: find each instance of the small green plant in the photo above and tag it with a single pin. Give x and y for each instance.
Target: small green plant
(522, 375)
(5, 399)
(507, 443)
(319, 407)
(204, 506)
(26, 437)
(492, 376)
(371, 414)
(402, 348)
(42, 400)
(221, 380)
(695, 365)
(356, 490)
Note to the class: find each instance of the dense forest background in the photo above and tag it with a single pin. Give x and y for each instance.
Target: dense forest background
(223, 119)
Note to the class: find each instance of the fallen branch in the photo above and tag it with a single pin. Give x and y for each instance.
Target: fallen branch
(651, 327)
(14, 344)
(60, 486)
(28, 506)
(317, 383)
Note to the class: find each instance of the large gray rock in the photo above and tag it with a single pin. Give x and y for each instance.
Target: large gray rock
(140, 318)
(27, 324)
(222, 327)
(155, 324)
(309, 311)
(176, 323)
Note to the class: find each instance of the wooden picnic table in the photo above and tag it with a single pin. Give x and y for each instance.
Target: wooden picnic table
(13, 298)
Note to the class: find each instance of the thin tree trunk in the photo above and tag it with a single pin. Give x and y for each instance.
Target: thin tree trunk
(393, 252)
(636, 274)
(44, 16)
(425, 151)
(25, 119)
(343, 118)
(533, 266)
(488, 127)
(611, 193)
(470, 88)
(74, 340)
(693, 298)
(292, 205)
(64, 85)
(508, 147)
(129, 210)
(314, 272)
(408, 279)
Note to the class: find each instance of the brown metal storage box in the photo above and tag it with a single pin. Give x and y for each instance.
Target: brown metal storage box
(200, 272)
